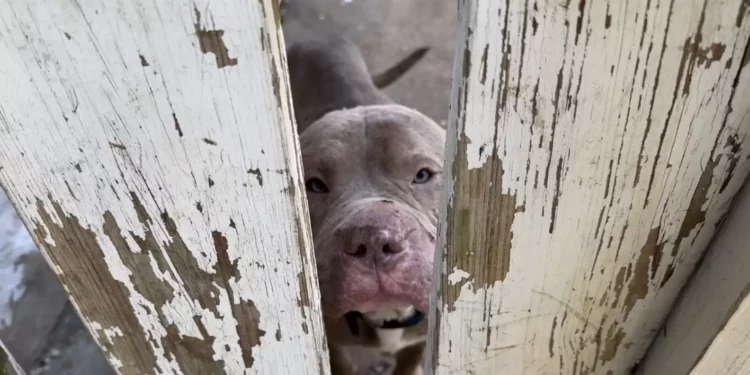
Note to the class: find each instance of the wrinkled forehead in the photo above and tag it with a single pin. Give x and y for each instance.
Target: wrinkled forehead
(384, 128)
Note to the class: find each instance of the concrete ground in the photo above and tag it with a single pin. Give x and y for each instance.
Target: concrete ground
(37, 322)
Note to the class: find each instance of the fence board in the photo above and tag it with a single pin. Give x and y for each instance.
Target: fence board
(711, 311)
(593, 148)
(150, 149)
(729, 352)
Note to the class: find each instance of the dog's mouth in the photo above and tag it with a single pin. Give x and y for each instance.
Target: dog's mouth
(353, 319)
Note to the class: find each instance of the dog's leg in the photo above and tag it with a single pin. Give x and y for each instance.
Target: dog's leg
(409, 360)
(341, 364)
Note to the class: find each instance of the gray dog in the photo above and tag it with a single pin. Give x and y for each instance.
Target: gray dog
(373, 172)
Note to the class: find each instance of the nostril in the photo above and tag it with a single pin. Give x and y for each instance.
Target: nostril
(361, 251)
(387, 249)
(391, 248)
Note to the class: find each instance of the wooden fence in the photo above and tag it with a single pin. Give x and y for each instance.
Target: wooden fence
(593, 149)
(150, 149)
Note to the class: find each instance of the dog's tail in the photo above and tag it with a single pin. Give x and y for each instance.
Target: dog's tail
(384, 79)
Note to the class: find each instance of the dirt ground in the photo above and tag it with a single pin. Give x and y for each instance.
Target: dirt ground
(46, 335)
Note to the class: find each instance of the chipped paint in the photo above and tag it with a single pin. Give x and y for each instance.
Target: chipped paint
(615, 128)
(638, 285)
(212, 41)
(162, 248)
(707, 329)
(695, 216)
(457, 276)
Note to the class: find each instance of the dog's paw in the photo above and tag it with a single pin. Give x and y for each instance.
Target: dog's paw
(382, 366)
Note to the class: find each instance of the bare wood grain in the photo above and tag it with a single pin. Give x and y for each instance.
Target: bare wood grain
(150, 149)
(593, 148)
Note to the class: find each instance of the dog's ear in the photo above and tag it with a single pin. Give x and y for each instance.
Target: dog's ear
(390, 75)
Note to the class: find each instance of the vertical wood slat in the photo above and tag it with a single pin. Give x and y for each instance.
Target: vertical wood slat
(593, 148)
(729, 352)
(150, 149)
(8, 365)
(707, 330)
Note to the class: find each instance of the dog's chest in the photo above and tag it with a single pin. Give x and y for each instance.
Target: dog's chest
(390, 340)
(393, 340)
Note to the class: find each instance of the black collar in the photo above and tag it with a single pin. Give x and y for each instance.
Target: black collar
(352, 322)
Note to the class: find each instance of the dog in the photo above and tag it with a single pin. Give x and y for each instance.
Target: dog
(373, 175)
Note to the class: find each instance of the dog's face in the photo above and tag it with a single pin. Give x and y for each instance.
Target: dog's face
(373, 176)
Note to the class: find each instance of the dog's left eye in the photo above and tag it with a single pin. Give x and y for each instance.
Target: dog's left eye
(315, 185)
(422, 176)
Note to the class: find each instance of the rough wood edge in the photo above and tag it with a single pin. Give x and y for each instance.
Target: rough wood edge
(709, 300)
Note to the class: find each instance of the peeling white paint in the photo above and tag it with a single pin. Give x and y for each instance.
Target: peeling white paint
(481, 138)
(457, 276)
(707, 330)
(116, 363)
(113, 332)
(131, 107)
(607, 165)
(109, 332)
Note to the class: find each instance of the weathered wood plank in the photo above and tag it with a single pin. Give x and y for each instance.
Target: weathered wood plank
(150, 149)
(712, 309)
(729, 353)
(593, 147)
(8, 365)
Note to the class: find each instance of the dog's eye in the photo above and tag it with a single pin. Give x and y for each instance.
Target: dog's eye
(422, 176)
(315, 185)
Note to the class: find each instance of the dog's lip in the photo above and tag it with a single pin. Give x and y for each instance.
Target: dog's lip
(411, 316)
(372, 302)
(339, 313)
(352, 320)
(333, 310)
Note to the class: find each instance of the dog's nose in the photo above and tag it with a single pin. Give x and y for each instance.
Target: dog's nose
(374, 242)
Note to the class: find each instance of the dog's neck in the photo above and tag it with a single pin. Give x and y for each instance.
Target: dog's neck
(356, 329)
(326, 69)
(328, 75)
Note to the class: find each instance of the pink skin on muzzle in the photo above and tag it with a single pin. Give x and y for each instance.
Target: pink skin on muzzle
(379, 257)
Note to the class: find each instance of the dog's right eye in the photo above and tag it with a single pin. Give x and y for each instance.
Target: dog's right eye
(315, 185)
(423, 175)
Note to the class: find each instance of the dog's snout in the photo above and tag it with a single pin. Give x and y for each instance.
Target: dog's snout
(375, 232)
(369, 241)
